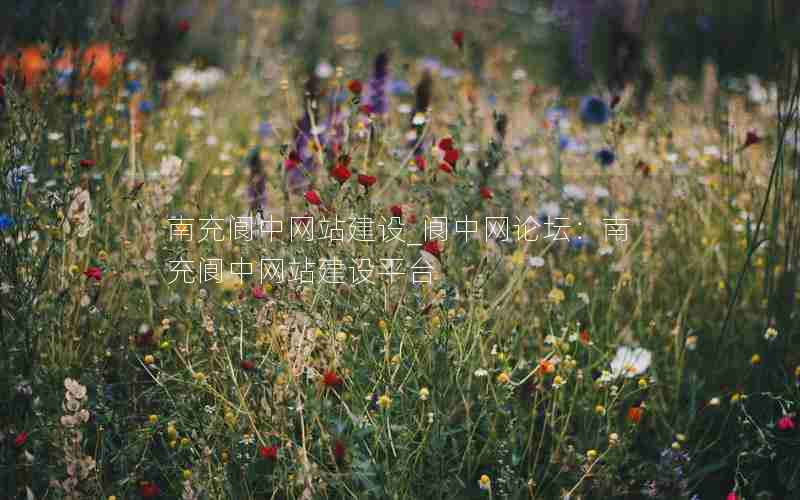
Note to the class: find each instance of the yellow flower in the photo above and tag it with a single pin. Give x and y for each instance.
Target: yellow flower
(736, 397)
(385, 401)
(230, 418)
(186, 474)
(341, 336)
(556, 296)
(436, 322)
(112, 497)
(643, 383)
(382, 325)
(149, 359)
(424, 393)
(184, 441)
(503, 378)
(230, 282)
(485, 482)
(797, 371)
(591, 454)
(570, 279)
(558, 381)
(600, 410)
(172, 433)
(755, 359)
(152, 419)
(676, 445)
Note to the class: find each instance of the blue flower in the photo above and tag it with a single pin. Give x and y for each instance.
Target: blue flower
(133, 86)
(146, 106)
(580, 243)
(594, 111)
(605, 157)
(6, 222)
(399, 87)
(265, 129)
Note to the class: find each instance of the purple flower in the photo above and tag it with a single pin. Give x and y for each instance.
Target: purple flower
(377, 98)
(605, 157)
(265, 129)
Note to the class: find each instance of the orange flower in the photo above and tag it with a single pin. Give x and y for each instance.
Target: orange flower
(635, 414)
(546, 366)
(100, 62)
(32, 65)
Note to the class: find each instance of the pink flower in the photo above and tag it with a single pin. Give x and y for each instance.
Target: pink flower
(786, 423)
(21, 439)
(94, 273)
(258, 293)
(732, 496)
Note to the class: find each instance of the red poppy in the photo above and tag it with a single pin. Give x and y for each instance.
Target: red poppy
(355, 86)
(340, 173)
(269, 452)
(432, 247)
(94, 273)
(446, 167)
(367, 180)
(331, 379)
(635, 414)
(458, 38)
(88, 163)
(184, 25)
(451, 156)
(584, 336)
(446, 144)
(486, 193)
(258, 293)
(21, 439)
(419, 160)
(248, 365)
(397, 211)
(149, 490)
(339, 450)
(751, 139)
(313, 198)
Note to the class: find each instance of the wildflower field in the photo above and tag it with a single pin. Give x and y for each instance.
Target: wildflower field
(329, 265)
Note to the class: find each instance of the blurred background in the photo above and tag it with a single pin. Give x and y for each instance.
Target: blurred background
(568, 43)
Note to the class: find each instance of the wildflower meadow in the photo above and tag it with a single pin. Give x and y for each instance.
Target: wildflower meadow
(457, 249)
